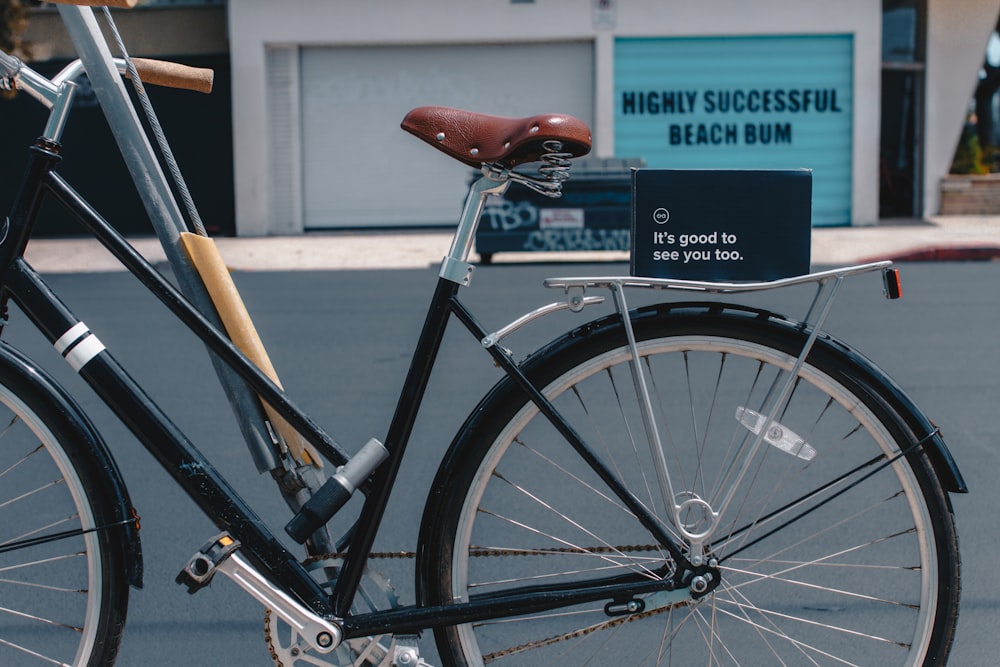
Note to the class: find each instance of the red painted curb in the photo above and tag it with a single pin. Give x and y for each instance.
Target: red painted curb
(945, 254)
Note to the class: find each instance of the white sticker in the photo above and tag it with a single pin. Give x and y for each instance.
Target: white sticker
(560, 218)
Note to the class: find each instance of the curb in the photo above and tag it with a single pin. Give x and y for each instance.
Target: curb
(984, 253)
(939, 239)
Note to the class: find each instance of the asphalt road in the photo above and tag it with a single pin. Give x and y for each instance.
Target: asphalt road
(341, 341)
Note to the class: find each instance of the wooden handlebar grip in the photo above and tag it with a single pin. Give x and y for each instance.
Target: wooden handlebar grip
(123, 4)
(174, 75)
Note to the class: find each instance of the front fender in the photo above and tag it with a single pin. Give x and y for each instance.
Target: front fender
(46, 390)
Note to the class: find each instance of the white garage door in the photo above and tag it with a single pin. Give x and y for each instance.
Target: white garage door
(359, 169)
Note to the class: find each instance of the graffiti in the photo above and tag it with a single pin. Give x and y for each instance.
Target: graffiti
(504, 215)
(577, 239)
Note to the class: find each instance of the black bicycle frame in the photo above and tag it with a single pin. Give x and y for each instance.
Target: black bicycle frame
(210, 491)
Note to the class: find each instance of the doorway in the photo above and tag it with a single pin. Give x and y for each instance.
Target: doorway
(900, 152)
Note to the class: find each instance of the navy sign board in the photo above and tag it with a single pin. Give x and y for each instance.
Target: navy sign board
(721, 225)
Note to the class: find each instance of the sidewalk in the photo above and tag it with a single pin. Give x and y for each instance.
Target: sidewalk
(945, 238)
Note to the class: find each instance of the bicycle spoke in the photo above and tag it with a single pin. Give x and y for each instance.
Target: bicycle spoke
(40, 529)
(43, 561)
(771, 613)
(28, 494)
(633, 443)
(48, 587)
(34, 654)
(23, 459)
(575, 478)
(768, 630)
(575, 548)
(38, 619)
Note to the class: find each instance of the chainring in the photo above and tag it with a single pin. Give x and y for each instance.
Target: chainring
(288, 649)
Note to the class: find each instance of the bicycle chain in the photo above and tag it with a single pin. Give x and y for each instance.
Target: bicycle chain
(268, 640)
(479, 552)
(539, 643)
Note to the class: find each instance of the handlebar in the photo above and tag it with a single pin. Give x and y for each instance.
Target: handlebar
(57, 93)
(174, 75)
(155, 72)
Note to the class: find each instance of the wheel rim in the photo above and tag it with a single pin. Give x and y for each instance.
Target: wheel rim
(43, 616)
(744, 573)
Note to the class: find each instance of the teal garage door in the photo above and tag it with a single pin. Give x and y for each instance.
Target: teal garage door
(770, 102)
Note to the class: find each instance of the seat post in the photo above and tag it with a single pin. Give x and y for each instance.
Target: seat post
(455, 266)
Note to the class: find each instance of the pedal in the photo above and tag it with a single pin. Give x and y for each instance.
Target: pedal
(201, 568)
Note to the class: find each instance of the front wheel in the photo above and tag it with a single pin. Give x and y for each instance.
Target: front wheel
(63, 583)
(833, 549)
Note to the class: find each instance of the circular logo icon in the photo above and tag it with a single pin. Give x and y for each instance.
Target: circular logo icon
(661, 215)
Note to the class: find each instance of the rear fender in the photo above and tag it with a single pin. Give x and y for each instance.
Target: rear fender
(920, 425)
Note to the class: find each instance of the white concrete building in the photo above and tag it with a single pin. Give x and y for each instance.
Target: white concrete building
(870, 95)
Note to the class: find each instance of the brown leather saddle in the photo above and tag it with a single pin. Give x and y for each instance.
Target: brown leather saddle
(477, 139)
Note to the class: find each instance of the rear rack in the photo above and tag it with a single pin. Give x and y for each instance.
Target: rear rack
(819, 277)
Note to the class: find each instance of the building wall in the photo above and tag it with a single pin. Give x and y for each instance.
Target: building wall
(198, 126)
(149, 31)
(956, 39)
(957, 33)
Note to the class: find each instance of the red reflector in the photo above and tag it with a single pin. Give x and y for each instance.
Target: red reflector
(893, 287)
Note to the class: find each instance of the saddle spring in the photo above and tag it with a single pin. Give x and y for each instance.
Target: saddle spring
(554, 170)
(555, 163)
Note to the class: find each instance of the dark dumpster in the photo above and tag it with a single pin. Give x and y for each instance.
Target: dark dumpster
(592, 214)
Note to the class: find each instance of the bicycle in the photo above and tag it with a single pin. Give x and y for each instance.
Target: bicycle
(685, 482)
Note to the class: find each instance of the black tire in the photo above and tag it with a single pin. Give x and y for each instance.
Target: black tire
(61, 601)
(869, 575)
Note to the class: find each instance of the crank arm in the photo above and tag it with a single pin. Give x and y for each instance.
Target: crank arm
(221, 554)
(322, 635)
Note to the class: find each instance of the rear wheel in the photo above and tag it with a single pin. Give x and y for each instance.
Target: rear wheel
(63, 588)
(834, 548)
